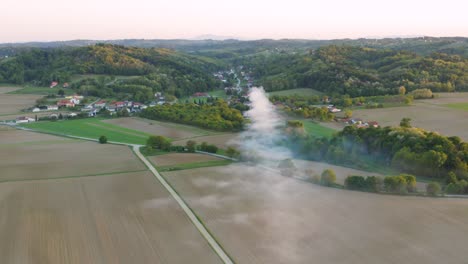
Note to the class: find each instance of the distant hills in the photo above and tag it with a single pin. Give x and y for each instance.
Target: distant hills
(420, 45)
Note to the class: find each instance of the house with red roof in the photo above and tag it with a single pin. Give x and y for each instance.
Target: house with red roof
(65, 103)
(53, 84)
(200, 94)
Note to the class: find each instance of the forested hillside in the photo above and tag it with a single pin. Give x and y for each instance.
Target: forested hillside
(359, 71)
(165, 69)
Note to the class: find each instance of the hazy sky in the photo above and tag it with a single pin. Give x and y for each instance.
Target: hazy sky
(46, 20)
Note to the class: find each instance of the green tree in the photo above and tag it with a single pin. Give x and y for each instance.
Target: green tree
(103, 139)
(232, 152)
(158, 142)
(328, 177)
(191, 146)
(348, 113)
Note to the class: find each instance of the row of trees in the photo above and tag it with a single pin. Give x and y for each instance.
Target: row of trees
(406, 149)
(217, 116)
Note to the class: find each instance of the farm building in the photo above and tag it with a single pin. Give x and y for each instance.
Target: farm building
(24, 119)
(200, 95)
(100, 104)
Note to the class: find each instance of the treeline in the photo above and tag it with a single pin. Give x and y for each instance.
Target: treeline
(161, 70)
(360, 71)
(406, 149)
(217, 116)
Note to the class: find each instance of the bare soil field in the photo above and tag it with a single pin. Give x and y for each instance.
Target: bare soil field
(122, 218)
(221, 141)
(4, 90)
(170, 130)
(261, 217)
(38, 156)
(13, 103)
(180, 158)
(9, 135)
(29, 114)
(430, 114)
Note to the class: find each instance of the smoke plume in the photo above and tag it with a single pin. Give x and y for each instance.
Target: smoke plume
(260, 142)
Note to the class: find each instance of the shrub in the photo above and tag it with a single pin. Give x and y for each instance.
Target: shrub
(433, 188)
(355, 183)
(328, 177)
(208, 148)
(395, 184)
(103, 139)
(410, 182)
(287, 167)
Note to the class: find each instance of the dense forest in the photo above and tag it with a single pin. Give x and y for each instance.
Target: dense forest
(216, 116)
(359, 71)
(405, 148)
(160, 70)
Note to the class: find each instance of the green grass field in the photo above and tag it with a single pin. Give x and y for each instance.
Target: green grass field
(317, 130)
(41, 90)
(217, 93)
(91, 128)
(459, 106)
(298, 91)
(79, 77)
(194, 165)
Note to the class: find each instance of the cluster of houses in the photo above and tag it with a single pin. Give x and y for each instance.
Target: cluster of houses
(333, 109)
(220, 75)
(247, 77)
(55, 84)
(113, 107)
(359, 123)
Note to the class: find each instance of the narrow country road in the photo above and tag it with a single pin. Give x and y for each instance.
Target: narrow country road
(216, 247)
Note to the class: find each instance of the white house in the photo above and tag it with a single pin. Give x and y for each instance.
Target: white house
(24, 119)
(35, 110)
(52, 107)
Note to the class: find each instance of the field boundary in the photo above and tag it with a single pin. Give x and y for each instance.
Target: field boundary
(76, 176)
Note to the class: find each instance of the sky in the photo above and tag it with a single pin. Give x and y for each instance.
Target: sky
(52, 20)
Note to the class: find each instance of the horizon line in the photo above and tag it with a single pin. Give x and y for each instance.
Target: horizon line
(223, 38)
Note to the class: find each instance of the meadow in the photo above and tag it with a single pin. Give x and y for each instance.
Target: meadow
(317, 130)
(185, 161)
(297, 91)
(170, 130)
(42, 90)
(91, 128)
